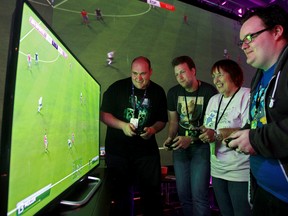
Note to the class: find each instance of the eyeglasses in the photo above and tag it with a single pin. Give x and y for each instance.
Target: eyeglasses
(248, 39)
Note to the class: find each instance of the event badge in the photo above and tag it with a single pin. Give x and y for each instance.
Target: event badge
(254, 124)
(134, 121)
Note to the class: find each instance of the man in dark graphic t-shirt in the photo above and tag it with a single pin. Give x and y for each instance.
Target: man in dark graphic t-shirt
(134, 110)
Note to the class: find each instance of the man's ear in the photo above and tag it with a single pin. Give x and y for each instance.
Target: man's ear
(194, 71)
(278, 32)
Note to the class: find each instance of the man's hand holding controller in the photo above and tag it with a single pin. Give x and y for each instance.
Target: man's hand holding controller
(169, 145)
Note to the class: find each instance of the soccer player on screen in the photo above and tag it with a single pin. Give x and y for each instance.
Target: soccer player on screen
(36, 58)
(185, 19)
(69, 143)
(46, 143)
(99, 14)
(29, 60)
(40, 104)
(73, 138)
(110, 57)
(84, 15)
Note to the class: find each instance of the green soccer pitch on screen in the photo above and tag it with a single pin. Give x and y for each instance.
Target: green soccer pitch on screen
(50, 137)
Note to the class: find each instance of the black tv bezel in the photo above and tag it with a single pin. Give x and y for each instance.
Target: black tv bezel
(7, 115)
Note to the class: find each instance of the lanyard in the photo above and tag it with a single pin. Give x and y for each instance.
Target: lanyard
(218, 120)
(134, 99)
(194, 110)
(258, 98)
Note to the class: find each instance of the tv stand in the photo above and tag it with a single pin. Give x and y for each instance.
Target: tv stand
(82, 193)
(73, 204)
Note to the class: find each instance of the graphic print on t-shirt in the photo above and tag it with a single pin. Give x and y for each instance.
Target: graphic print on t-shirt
(141, 110)
(257, 108)
(189, 112)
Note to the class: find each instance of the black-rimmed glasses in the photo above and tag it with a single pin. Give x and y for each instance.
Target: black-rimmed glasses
(249, 38)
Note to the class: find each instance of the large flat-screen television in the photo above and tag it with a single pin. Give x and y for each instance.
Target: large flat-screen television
(50, 128)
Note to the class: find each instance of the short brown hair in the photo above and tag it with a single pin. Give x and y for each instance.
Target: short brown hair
(231, 67)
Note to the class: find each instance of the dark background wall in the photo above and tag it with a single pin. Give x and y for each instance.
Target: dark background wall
(6, 10)
(204, 39)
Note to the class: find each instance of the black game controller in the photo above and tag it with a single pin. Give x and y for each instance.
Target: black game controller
(228, 140)
(139, 132)
(195, 132)
(169, 145)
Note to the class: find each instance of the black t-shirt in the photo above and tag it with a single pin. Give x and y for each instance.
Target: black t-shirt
(190, 106)
(118, 100)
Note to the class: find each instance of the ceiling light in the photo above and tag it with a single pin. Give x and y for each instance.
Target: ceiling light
(240, 12)
(222, 2)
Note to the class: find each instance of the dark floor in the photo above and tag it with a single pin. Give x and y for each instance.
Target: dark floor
(170, 199)
(175, 210)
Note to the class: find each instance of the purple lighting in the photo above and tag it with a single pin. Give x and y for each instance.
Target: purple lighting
(240, 12)
(223, 2)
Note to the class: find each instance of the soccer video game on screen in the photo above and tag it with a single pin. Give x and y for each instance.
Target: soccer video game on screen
(55, 128)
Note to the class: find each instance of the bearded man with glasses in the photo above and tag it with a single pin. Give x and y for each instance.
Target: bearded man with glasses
(264, 39)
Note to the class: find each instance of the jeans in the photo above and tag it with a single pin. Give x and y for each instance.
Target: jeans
(124, 174)
(192, 172)
(232, 197)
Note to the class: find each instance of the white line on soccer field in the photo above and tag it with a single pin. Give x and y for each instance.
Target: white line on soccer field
(39, 3)
(108, 15)
(27, 34)
(69, 175)
(51, 61)
(60, 3)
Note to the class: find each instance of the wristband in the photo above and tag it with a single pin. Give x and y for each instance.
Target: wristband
(217, 137)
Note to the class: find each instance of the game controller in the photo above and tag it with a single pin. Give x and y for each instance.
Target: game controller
(228, 140)
(169, 145)
(195, 132)
(139, 132)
